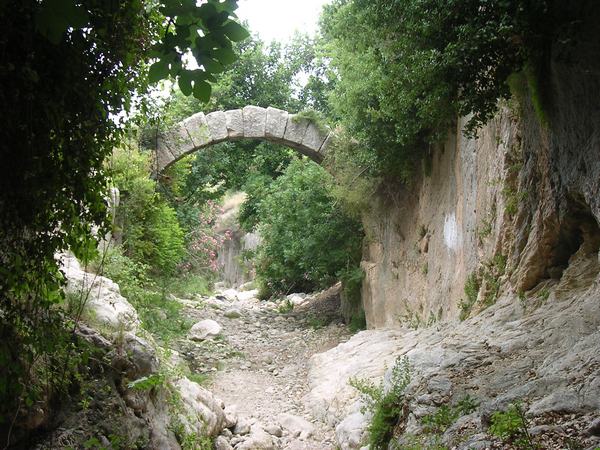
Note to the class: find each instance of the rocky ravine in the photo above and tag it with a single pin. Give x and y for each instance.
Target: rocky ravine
(279, 379)
(258, 355)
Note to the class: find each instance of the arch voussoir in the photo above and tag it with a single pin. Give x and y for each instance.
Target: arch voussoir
(251, 122)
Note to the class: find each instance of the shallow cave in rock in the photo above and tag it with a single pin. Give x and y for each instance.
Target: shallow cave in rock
(578, 228)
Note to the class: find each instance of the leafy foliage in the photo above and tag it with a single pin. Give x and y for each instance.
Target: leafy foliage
(407, 68)
(512, 426)
(307, 239)
(69, 72)
(160, 315)
(387, 406)
(446, 415)
(148, 226)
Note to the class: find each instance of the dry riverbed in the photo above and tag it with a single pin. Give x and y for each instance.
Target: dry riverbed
(257, 364)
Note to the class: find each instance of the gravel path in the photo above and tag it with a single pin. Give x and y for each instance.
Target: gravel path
(259, 364)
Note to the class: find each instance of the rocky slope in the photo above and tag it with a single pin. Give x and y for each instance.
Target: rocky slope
(134, 394)
(542, 351)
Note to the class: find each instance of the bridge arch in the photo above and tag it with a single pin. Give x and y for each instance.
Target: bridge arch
(252, 122)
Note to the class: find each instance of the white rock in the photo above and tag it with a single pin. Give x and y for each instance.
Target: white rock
(230, 294)
(276, 123)
(235, 123)
(205, 329)
(274, 430)
(203, 413)
(197, 128)
(314, 137)
(221, 443)
(242, 426)
(350, 432)
(247, 295)
(295, 129)
(296, 299)
(254, 121)
(217, 125)
(296, 425)
(104, 303)
(258, 439)
(232, 313)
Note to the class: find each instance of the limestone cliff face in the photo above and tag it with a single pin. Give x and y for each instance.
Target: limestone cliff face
(234, 271)
(503, 213)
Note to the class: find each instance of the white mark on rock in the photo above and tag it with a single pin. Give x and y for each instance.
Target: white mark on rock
(451, 234)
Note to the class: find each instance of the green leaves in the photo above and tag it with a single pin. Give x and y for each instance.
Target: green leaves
(158, 71)
(235, 32)
(307, 241)
(202, 91)
(207, 32)
(56, 16)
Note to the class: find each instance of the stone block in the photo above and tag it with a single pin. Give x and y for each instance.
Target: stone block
(234, 120)
(314, 137)
(276, 123)
(295, 129)
(175, 141)
(217, 125)
(197, 128)
(254, 121)
(328, 140)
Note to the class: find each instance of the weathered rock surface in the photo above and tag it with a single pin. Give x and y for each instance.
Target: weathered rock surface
(205, 329)
(547, 356)
(202, 413)
(104, 304)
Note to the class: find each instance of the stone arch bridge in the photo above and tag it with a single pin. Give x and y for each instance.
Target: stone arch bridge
(251, 122)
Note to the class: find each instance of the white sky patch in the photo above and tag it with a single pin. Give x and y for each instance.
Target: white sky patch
(277, 20)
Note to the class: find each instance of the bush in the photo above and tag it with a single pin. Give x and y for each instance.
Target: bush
(387, 407)
(307, 239)
(511, 426)
(147, 225)
(160, 315)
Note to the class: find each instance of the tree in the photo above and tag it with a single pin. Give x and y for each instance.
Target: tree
(69, 71)
(307, 240)
(409, 68)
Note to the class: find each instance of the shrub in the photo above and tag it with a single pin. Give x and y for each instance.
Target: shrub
(387, 407)
(307, 240)
(512, 426)
(446, 415)
(160, 315)
(148, 226)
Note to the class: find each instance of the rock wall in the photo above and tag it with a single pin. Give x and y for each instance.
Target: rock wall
(234, 271)
(500, 213)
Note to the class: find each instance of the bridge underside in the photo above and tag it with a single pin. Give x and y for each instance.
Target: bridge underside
(251, 122)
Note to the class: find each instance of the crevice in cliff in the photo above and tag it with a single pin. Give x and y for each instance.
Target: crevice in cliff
(579, 230)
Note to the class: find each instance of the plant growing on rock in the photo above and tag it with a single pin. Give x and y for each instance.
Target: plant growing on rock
(446, 415)
(512, 426)
(388, 406)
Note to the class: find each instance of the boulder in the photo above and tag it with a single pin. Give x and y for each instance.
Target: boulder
(221, 443)
(205, 329)
(103, 303)
(258, 439)
(232, 313)
(297, 426)
(202, 412)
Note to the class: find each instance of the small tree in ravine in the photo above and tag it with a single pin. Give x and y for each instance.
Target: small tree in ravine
(308, 240)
